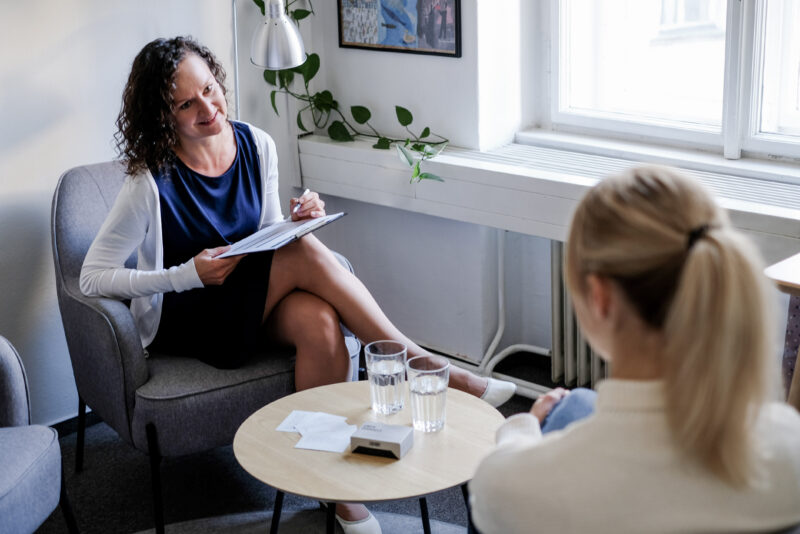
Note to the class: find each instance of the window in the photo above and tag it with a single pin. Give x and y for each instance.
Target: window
(718, 74)
(687, 18)
(780, 97)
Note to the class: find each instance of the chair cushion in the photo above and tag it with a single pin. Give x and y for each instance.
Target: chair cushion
(30, 476)
(196, 407)
(13, 387)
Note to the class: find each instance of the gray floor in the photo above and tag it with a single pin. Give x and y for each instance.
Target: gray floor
(209, 492)
(299, 522)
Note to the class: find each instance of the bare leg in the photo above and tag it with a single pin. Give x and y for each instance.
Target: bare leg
(311, 325)
(308, 265)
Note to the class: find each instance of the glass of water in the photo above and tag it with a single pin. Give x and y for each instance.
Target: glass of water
(386, 368)
(427, 381)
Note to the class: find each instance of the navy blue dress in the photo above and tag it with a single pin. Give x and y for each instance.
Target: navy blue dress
(219, 325)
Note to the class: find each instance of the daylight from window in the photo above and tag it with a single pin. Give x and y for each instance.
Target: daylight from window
(780, 97)
(656, 61)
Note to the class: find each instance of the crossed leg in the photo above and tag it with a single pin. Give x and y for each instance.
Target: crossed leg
(311, 325)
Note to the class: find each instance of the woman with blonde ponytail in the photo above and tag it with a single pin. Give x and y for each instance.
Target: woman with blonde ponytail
(687, 435)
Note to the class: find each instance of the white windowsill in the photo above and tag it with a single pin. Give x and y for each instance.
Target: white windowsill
(759, 169)
(534, 189)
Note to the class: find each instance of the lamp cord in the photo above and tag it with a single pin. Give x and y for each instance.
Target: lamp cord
(235, 61)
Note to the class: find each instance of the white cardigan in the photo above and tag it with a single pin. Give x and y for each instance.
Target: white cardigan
(618, 471)
(134, 223)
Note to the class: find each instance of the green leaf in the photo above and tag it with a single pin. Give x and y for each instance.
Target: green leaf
(300, 14)
(415, 170)
(418, 147)
(429, 176)
(270, 76)
(360, 114)
(425, 133)
(309, 68)
(405, 155)
(300, 121)
(323, 101)
(383, 144)
(338, 132)
(403, 116)
(260, 4)
(285, 77)
(272, 101)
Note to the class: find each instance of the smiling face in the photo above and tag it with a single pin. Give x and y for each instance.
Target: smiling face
(200, 109)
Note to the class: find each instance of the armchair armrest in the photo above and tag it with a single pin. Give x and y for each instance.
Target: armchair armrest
(107, 356)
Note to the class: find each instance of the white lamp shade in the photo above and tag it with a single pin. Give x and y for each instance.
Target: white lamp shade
(277, 44)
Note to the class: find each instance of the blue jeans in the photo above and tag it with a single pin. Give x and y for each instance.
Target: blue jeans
(573, 407)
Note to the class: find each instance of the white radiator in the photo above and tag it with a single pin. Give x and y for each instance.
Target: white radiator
(572, 361)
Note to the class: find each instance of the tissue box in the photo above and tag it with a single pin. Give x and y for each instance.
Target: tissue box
(378, 439)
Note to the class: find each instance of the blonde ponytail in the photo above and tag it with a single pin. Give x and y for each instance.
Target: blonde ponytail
(717, 337)
(699, 282)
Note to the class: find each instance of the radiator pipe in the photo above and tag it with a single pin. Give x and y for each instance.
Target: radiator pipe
(235, 62)
(490, 359)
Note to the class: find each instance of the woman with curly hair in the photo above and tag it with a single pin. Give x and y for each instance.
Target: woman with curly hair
(687, 435)
(198, 182)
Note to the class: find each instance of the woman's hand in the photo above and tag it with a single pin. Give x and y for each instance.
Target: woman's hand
(544, 404)
(311, 206)
(212, 270)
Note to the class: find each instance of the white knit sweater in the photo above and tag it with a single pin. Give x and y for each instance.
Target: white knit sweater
(618, 471)
(134, 223)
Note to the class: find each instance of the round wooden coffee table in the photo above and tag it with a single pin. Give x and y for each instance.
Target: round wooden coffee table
(436, 461)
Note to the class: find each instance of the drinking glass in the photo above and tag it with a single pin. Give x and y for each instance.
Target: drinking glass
(386, 368)
(428, 377)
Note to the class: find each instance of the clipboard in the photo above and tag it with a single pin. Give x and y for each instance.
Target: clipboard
(276, 235)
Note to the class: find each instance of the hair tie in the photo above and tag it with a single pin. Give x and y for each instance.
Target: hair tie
(696, 234)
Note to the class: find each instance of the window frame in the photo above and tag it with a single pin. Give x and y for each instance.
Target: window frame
(763, 144)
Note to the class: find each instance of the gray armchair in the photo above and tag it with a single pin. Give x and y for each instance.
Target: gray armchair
(162, 405)
(31, 481)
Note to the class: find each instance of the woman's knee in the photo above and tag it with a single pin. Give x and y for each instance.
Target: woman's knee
(308, 260)
(317, 322)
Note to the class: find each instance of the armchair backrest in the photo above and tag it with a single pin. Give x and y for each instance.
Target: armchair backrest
(104, 345)
(14, 404)
(84, 196)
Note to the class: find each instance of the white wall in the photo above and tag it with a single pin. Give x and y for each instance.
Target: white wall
(62, 68)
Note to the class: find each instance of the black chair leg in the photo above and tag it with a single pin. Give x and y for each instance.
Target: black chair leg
(155, 475)
(66, 509)
(81, 433)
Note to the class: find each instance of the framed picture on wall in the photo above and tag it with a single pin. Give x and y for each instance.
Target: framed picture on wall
(415, 26)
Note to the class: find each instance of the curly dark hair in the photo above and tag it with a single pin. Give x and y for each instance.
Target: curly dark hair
(146, 132)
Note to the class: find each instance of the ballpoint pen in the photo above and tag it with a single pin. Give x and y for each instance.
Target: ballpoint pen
(296, 207)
